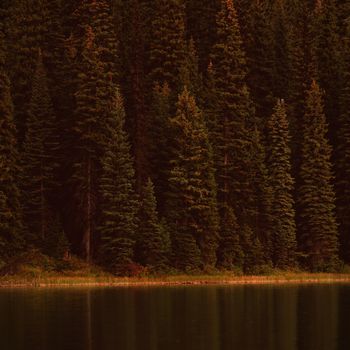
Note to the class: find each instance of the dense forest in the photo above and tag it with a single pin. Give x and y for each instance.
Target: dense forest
(176, 135)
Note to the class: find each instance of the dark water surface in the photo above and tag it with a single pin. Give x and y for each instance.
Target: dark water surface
(312, 317)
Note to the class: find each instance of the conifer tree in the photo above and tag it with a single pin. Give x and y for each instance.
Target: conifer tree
(119, 205)
(201, 27)
(315, 197)
(153, 241)
(281, 27)
(168, 44)
(232, 108)
(326, 52)
(253, 251)
(98, 16)
(189, 71)
(260, 196)
(230, 253)
(10, 218)
(24, 39)
(342, 154)
(192, 208)
(258, 37)
(93, 98)
(159, 147)
(39, 160)
(282, 210)
(131, 18)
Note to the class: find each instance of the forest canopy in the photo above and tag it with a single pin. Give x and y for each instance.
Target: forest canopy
(176, 135)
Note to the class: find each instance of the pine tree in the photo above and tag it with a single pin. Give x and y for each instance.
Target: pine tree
(253, 251)
(39, 159)
(98, 16)
(168, 44)
(10, 218)
(131, 19)
(342, 154)
(93, 98)
(326, 52)
(119, 205)
(25, 34)
(282, 210)
(153, 241)
(316, 200)
(282, 50)
(231, 109)
(258, 38)
(230, 253)
(260, 196)
(201, 27)
(159, 147)
(192, 208)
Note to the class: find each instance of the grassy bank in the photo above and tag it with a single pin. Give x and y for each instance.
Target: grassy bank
(48, 280)
(34, 269)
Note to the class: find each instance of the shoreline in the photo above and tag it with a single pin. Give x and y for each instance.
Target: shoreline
(168, 281)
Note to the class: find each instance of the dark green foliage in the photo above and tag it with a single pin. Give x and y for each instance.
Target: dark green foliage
(282, 206)
(230, 252)
(282, 50)
(131, 19)
(119, 205)
(26, 28)
(56, 243)
(231, 108)
(259, 198)
(342, 154)
(223, 179)
(316, 200)
(189, 72)
(168, 44)
(201, 27)
(327, 56)
(159, 148)
(191, 203)
(258, 36)
(253, 251)
(98, 16)
(38, 160)
(153, 241)
(10, 213)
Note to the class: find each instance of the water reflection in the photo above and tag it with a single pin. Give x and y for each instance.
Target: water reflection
(232, 318)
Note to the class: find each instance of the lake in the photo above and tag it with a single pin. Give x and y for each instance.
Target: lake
(310, 317)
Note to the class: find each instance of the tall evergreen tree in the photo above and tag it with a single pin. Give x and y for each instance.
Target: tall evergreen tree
(282, 209)
(93, 52)
(282, 49)
(230, 252)
(258, 39)
(342, 154)
(159, 147)
(201, 26)
(168, 44)
(92, 105)
(316, 199)
(153, 241)
(98, 16)
(192, 208)
(326, 52)
(231, 109)
(25, 34)
(119, 205)
(39, 159)
(10, 218)
(253, 251)
(132, 17)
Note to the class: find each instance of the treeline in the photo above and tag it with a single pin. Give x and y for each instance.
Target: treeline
(176, 134)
